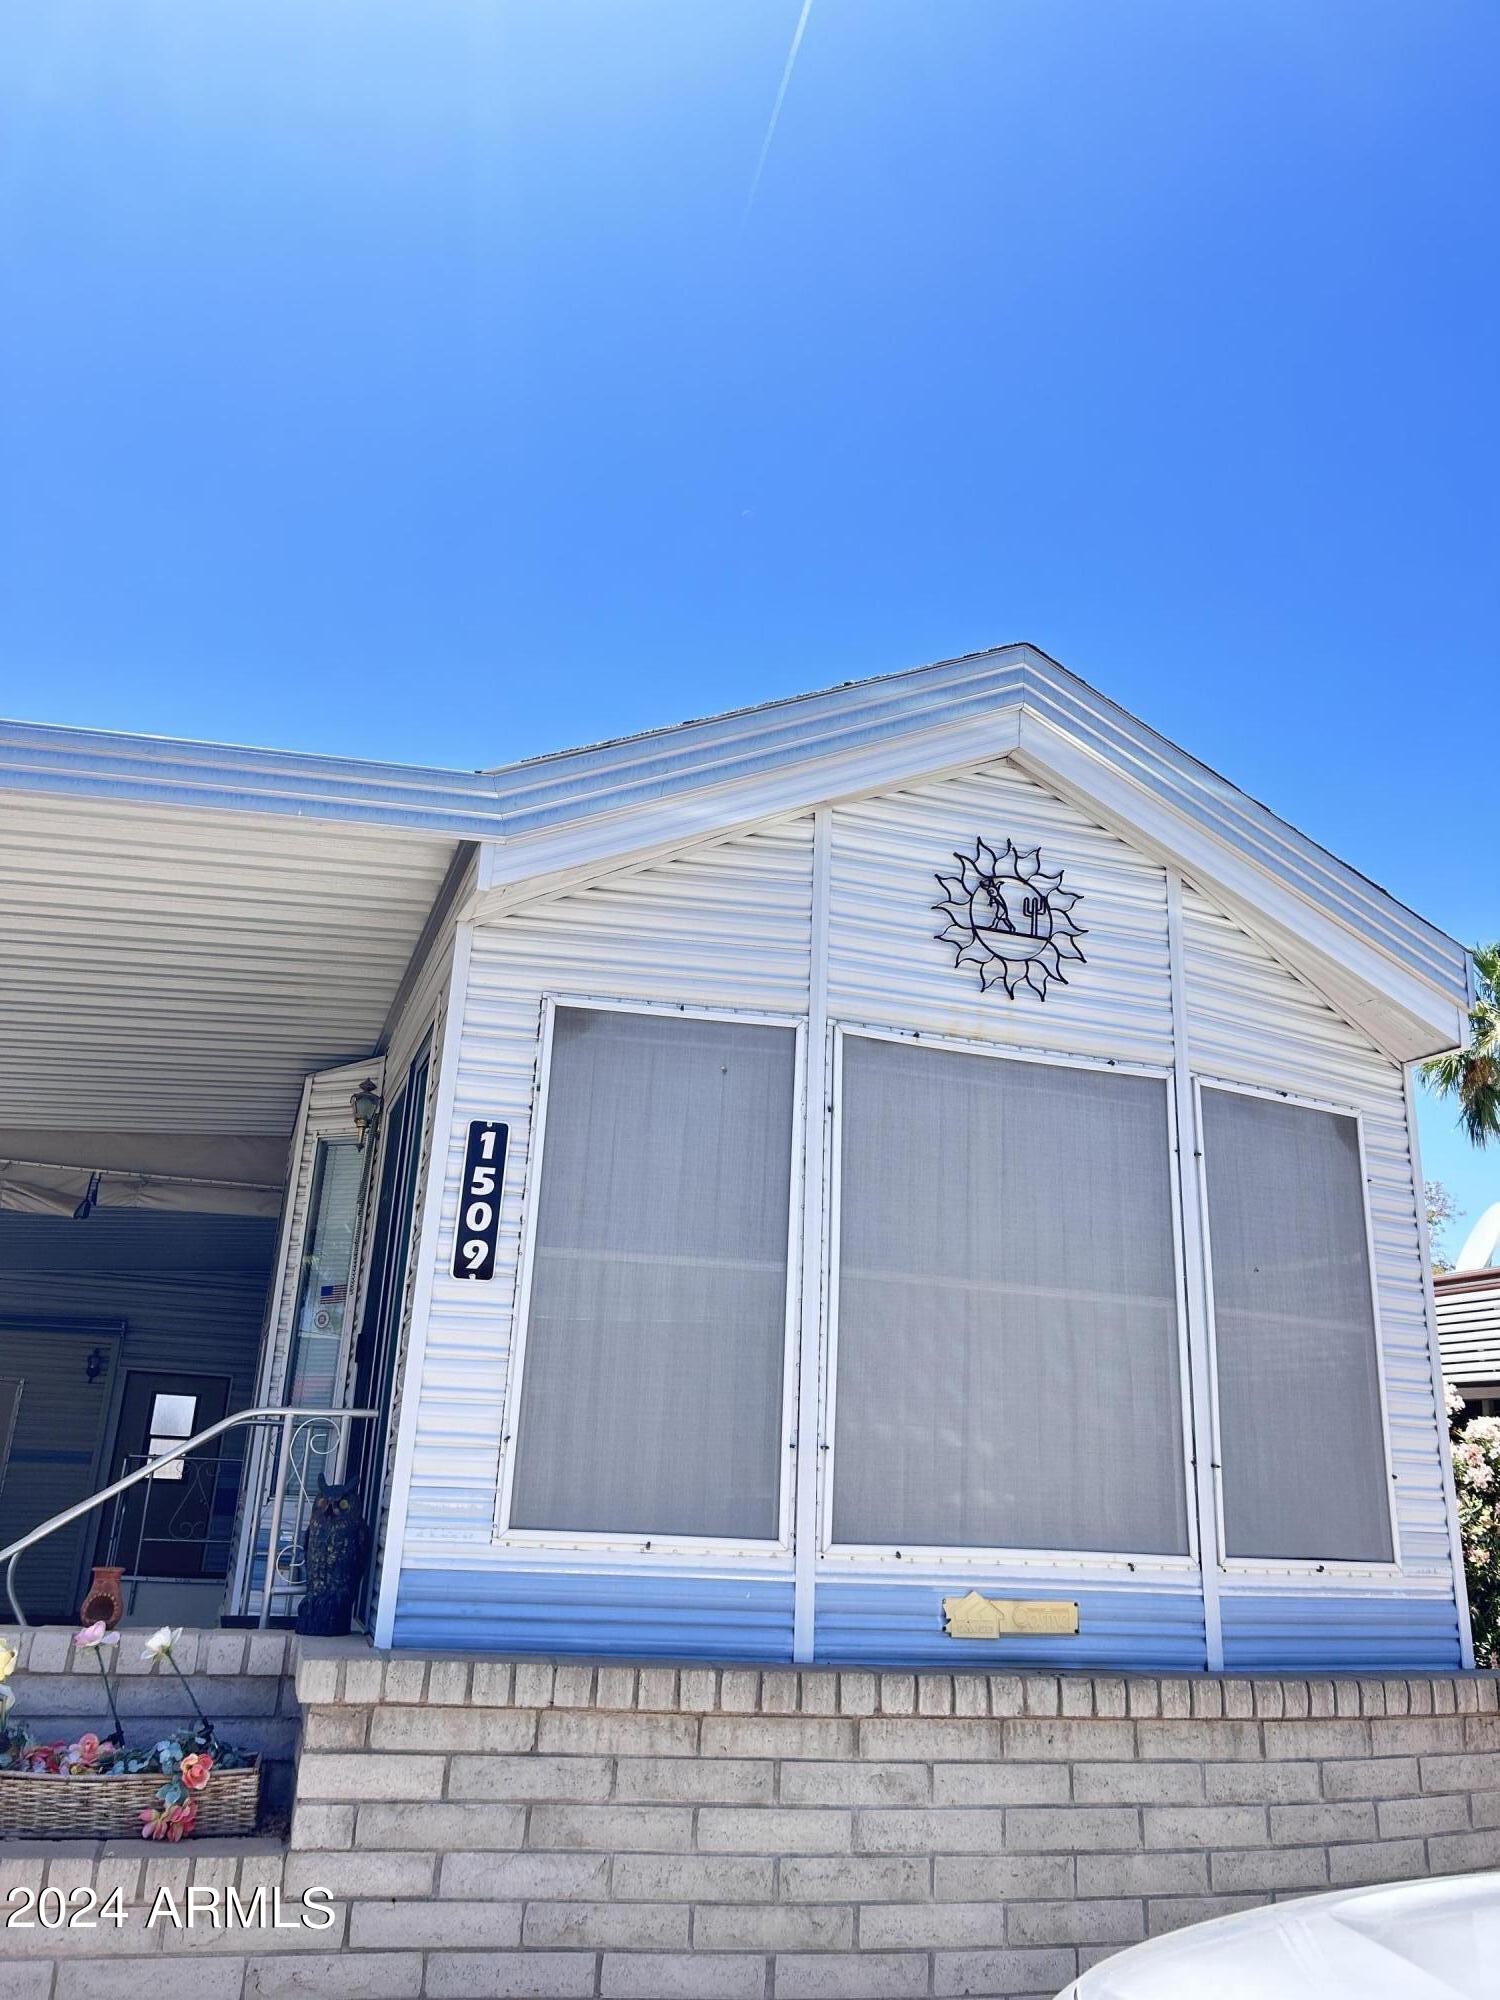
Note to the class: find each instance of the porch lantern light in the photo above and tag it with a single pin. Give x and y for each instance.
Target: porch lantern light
(365, 1104)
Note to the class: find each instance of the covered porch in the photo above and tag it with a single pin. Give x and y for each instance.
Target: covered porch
(197, 1003)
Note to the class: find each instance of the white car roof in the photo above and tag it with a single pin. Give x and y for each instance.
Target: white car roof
(1405, 1941)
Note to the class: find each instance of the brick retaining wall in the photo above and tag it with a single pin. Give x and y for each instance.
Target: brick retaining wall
(493, 1827)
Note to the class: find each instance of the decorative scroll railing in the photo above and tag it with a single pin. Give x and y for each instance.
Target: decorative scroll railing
(283, 1450)
(283, 1465)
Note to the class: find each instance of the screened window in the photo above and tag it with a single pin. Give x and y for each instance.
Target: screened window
(1300, 1437)
(651, 1385)
(1007, 1362)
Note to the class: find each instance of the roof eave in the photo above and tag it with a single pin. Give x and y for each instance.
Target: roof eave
(43, 758)
(562, 818)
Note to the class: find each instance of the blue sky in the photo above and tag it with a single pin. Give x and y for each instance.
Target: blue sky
(409, 381)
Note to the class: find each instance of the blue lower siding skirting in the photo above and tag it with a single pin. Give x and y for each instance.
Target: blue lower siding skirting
(1319, 1631)
(901, 1624)
(638, 1614)
(884, 1622)
(671, 1615)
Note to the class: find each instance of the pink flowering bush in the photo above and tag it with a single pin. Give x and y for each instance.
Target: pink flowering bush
(1476, 1476)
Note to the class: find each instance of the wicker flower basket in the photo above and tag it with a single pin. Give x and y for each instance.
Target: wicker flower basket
(38, 1806)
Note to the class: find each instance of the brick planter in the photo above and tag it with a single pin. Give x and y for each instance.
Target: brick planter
(243, 1680)
(492, 1827)
(702, 1831)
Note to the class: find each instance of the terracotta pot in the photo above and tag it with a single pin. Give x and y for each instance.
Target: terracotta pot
(103, 1598)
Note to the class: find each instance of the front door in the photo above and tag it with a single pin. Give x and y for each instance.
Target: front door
(58, 1379)
(178, 1522)
(380, 1328)
(306, 1362)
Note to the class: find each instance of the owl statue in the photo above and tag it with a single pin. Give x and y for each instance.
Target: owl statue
(336, 1549)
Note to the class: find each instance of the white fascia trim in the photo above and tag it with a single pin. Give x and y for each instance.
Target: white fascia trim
(1245, 826)
(1349, 972)
(1459, 1576)
(1404, 1015)
(799, 730)
(568, 856)
(43, 758)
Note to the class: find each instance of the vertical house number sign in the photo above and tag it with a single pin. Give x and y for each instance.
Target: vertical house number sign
(479, 1200)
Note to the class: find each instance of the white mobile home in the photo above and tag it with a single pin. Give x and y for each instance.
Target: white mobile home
(795, 1186)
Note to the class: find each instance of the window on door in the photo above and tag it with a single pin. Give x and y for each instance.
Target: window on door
(1301, 1439)
(1008, 1342)
(314, 1363)
(172, 1423)
(651, 1393)
(178, 1523)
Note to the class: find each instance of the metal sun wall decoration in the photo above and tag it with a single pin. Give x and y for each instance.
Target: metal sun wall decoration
(1009, 919)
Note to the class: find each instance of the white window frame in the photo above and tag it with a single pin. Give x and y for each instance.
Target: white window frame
(606, 1541)
(921, 1556)
(1292, 1566)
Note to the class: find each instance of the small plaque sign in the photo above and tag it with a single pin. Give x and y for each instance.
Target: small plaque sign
(479, 1200)
(976, 1617)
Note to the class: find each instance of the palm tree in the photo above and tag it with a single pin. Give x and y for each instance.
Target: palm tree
(1472, 1073)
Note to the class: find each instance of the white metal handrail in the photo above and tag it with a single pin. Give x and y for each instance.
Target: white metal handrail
(288, 1416)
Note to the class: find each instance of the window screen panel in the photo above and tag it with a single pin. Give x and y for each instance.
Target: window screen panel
(651, 1391)
(1008, 1371)
(1300, 1437)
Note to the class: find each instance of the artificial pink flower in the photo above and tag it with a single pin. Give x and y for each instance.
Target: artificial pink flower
(169, 1822)
(85, 1753)
(96, 1635)
(194, 1770)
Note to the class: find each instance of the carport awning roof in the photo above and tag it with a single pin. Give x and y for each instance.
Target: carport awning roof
(179, 969)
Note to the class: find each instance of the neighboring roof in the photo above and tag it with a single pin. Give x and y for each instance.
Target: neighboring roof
(1481, 1251)
(584, 809)
(1466, 1307)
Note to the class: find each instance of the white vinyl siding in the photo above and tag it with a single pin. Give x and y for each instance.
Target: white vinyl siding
(723, 926)
(728, 927)
(887, 967)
